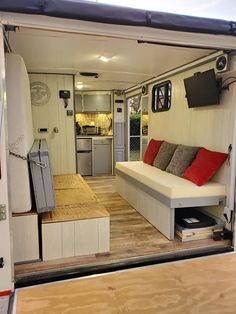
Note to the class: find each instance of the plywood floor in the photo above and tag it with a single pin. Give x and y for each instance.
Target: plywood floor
(206, 285)
(131, 236)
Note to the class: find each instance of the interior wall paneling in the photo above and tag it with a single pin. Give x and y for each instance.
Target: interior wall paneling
(53, 116)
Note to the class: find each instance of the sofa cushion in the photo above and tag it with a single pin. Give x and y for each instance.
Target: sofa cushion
(151, 151)
(164, 155)
(204, 166)
(182, 158)
(166, 183)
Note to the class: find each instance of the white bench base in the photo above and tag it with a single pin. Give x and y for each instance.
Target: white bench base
(158, 214)
(158, 209)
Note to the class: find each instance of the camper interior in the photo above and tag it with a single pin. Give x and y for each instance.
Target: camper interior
(108, 93)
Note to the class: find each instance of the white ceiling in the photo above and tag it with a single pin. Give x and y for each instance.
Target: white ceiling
(132, 63)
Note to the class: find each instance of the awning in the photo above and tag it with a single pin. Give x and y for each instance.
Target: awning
(103, 13)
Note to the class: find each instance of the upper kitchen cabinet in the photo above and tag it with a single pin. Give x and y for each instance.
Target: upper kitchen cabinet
(78, 103)
(93, 102)
(97, 102)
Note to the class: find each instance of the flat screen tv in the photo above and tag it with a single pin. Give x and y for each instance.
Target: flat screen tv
(202, 89)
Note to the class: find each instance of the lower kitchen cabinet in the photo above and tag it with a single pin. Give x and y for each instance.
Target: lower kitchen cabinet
(102, 156)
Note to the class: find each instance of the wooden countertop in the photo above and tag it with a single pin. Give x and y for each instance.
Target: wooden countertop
(74, 201)
(205, 285)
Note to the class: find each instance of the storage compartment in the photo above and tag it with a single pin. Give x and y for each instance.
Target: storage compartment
(193, 218)
(102, 157)
(194, 224)
(97, 102)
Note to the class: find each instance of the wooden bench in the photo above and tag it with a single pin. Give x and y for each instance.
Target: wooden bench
(156, 194)
(79, 225)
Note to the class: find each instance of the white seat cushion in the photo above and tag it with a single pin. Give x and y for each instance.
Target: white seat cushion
(168, 184)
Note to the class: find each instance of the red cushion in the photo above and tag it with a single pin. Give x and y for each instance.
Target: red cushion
(204, 166)
(151, 151)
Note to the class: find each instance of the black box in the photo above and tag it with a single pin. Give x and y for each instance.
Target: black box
(193, 218)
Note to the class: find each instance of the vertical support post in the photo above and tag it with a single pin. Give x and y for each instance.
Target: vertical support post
(6, 282)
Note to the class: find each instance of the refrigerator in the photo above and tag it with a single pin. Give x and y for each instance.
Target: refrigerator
(84, 156)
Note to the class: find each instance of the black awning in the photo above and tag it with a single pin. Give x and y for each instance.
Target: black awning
(103, 13)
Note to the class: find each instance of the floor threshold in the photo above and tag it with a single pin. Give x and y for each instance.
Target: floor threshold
(88, 270)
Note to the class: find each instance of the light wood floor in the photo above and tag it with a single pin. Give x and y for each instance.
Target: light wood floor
(131, 236)
(206, 285)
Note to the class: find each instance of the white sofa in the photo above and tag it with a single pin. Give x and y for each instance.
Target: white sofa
(156, 194)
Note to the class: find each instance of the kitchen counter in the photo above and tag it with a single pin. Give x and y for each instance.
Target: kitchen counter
(94, 136)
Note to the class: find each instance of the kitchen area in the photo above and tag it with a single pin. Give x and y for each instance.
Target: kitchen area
(94, 133)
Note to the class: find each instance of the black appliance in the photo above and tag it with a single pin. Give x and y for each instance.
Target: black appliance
(202, 89)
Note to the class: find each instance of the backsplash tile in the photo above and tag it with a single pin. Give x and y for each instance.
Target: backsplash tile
(102, 120)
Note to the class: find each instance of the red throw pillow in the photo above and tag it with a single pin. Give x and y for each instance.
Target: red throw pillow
(151, 151)
(204, 166)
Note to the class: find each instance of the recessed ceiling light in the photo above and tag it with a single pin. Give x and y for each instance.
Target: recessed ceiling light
(104, 59)
(79, 85)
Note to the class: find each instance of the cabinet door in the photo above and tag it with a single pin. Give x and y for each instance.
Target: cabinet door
(78, 103)
(119, 140)
(102, 155)
(97, 102)
(119, 155)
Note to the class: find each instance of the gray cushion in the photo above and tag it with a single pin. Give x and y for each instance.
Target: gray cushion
(182, 158)
(164, 155)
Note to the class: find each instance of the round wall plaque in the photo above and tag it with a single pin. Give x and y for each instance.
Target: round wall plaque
(40, 93)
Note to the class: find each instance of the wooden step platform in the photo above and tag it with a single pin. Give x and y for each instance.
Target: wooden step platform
(79, 225)
(205, 285)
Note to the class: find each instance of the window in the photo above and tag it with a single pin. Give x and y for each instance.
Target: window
(161, 97)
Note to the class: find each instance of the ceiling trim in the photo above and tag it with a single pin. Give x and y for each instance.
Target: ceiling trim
(119, 15)
(178, 70)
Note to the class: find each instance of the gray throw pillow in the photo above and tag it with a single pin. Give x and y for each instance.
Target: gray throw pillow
(182, 158)
(164, 155)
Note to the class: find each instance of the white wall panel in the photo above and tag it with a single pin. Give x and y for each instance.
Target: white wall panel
(210, 126)
(86, 237)
(25, 237)
(52, 241)
(6, 273)
(53, 114)
(68, 238)
(104, 234)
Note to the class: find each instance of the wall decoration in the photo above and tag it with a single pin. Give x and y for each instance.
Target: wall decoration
(40, 93)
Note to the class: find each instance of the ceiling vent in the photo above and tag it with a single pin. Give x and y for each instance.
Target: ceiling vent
(89, 74)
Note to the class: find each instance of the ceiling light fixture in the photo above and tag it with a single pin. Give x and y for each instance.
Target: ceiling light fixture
(104, 58)
(79, 85)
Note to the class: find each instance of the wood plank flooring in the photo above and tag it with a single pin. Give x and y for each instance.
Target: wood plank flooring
(131, 235)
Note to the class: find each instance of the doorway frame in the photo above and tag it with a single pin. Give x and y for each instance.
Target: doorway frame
(219, 42)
